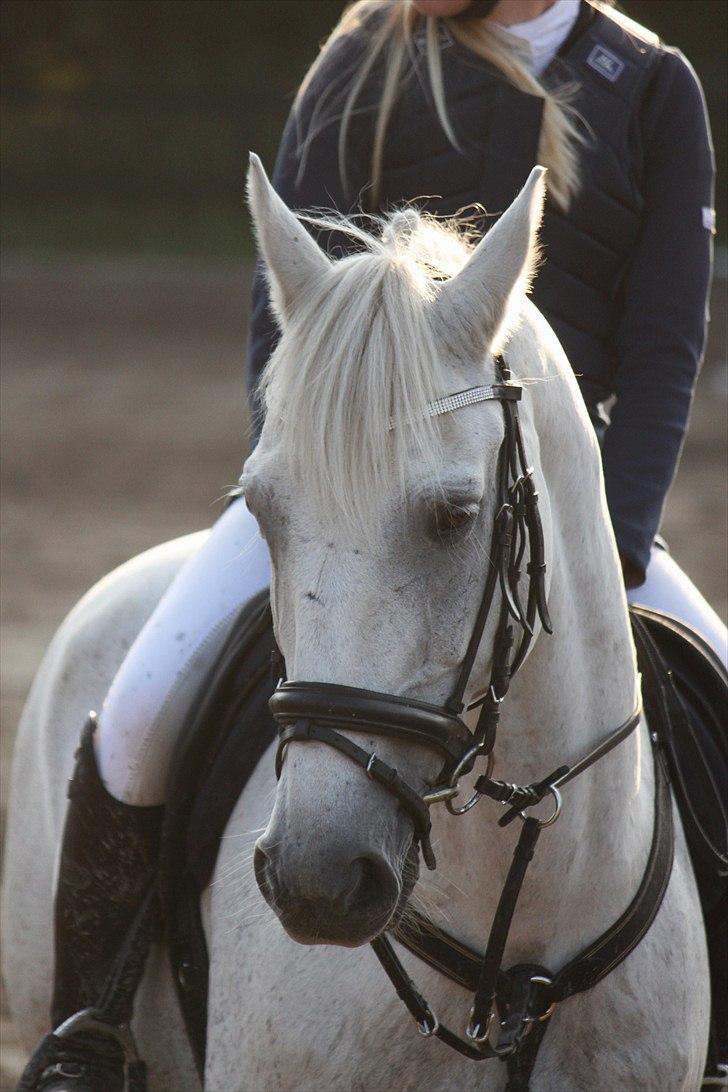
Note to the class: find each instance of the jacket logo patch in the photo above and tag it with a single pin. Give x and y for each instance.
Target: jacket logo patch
(604, 62)
(709, 219)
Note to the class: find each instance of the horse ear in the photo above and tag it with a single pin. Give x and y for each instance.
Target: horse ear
(292, 259)
(473, 304)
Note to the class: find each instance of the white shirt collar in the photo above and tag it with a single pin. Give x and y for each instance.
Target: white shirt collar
(544, 35)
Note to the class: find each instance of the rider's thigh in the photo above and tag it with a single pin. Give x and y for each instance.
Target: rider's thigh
(154, 687)
(669, 589)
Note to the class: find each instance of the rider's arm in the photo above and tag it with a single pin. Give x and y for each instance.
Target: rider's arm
(663, 309)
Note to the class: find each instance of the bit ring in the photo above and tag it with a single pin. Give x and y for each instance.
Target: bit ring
(467, 757)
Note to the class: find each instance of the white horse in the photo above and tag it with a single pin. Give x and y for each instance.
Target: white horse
(378, 537)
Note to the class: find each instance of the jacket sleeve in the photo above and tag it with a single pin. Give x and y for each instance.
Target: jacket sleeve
(663, 314)
(306, 176)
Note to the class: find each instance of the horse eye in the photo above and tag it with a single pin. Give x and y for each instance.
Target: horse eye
(450, 518)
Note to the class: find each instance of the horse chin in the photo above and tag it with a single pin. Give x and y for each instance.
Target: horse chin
(310, 928)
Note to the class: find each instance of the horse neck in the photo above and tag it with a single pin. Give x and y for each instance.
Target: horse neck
(575, 687)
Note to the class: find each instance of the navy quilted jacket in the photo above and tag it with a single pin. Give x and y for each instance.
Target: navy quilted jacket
(626, 272)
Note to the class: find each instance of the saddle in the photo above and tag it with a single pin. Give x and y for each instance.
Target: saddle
(230, 727)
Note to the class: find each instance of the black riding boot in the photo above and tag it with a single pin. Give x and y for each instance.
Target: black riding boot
(105, 917)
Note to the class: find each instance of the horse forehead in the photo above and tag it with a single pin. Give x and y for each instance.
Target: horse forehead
(471, 437)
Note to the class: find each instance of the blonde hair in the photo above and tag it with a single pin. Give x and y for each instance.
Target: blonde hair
(391, 26)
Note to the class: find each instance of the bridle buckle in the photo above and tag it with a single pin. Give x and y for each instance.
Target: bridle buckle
(441, 795)
(447, 793)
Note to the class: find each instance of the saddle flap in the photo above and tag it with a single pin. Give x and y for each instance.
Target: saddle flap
(684, 690)
(228, 729)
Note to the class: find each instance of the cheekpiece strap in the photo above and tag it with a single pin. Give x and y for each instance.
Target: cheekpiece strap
(516, 523)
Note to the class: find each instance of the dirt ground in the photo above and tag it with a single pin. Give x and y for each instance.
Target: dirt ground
(123, 422)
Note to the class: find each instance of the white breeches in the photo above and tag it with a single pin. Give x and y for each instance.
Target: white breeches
(149, 698)
(155, 686)
(667, 588)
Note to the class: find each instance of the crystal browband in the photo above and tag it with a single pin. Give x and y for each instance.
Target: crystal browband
(510, 392)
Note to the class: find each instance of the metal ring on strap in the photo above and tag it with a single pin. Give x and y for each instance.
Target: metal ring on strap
(554, 814)
(473, 753)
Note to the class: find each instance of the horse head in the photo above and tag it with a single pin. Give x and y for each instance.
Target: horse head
(379, 515)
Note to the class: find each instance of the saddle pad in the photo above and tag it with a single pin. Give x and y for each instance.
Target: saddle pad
(697, 738)
(229, 729)
(684, 690)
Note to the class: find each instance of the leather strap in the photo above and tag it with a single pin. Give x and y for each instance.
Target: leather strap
(520, 796)
(516, 525)
(521, 1062)
(492, 984)
(486, 992)
(305, 710)
(369, 711)
(418, 1008)
(381, 772)
(431, 943)
(675, 722)
(464, 965)
(616, 943)
(601, 749)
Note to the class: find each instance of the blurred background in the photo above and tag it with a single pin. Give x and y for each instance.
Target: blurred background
(125, 278)
(127, 123)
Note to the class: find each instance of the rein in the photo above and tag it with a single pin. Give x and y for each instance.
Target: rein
(306, 711)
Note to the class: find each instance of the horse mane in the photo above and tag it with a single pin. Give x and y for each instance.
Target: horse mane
(360, 355)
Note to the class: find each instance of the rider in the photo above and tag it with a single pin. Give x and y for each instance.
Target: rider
(458, 98)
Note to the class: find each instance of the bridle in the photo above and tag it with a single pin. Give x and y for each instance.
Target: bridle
(308, 711)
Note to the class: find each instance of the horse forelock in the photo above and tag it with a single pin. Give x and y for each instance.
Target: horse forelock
(359, 356)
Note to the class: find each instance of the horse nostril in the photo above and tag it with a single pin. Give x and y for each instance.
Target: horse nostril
(261, 867)
(373, 883)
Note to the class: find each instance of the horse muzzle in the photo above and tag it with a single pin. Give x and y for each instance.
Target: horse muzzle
(339, 895)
